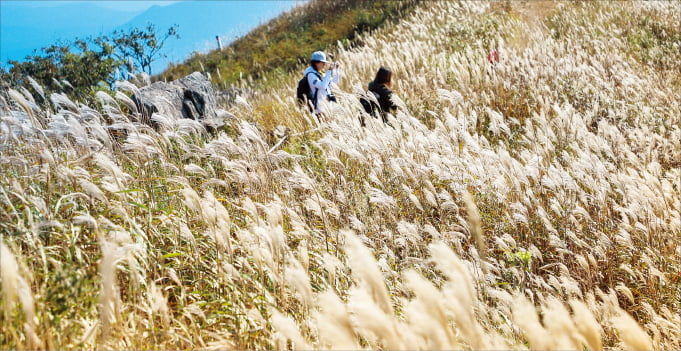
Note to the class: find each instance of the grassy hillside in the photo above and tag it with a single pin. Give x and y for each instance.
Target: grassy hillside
(531, 204)
(289, 39)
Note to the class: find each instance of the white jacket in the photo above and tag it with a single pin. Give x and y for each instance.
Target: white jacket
(321, 87)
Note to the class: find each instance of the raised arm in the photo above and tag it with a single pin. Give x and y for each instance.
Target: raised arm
(336, 76)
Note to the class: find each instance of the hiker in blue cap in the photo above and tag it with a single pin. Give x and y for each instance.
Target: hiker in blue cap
(313, 87)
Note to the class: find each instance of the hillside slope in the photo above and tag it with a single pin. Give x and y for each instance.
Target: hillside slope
(200, 21)
(534, 203)
(279, 45)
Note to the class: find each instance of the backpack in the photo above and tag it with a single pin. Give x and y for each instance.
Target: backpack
(370, 105)
(303, 92)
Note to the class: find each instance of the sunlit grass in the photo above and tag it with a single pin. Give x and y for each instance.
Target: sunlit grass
(533, 204)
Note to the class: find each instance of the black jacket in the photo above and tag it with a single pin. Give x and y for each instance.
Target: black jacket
(384, 97)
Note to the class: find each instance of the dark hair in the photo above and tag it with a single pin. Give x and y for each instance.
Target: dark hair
(383, 76)
(313, 63)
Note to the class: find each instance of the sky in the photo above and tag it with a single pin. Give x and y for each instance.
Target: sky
(29, 25)
(129, 5)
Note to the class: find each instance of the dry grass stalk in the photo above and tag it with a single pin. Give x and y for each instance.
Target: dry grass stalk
(569, 146)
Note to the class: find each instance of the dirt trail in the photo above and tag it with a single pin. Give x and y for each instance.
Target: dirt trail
(532, 13)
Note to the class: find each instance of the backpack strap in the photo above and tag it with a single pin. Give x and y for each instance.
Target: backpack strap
(314, 98)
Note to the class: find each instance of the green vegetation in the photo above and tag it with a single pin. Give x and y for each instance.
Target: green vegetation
(81, 67)
(288, 40)
(76, 68)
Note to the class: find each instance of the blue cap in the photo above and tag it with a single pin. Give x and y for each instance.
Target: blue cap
(319, 56)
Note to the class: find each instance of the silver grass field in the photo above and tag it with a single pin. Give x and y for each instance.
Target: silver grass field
(530, 204)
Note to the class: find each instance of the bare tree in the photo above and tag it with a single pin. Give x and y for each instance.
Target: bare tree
(142, 46)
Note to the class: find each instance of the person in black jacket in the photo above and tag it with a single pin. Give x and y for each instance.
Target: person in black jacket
(381, 88)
